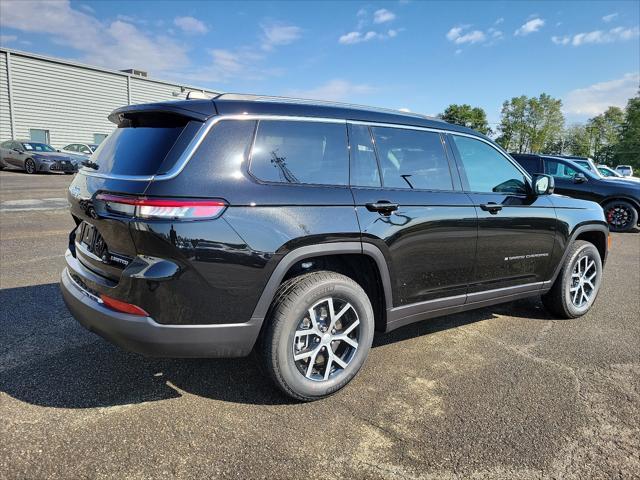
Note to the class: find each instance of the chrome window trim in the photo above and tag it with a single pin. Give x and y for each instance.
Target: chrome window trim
(199, 137)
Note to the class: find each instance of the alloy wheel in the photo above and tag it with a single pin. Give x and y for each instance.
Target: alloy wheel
(30, 166)
(618, 216)
(326, 339)
(584, 279)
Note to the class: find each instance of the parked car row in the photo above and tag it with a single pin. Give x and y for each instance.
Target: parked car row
(580, 178)
(34, 157)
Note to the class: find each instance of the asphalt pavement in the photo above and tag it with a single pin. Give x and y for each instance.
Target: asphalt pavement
(504, 392)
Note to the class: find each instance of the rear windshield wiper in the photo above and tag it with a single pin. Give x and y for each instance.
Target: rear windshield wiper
(90, 164)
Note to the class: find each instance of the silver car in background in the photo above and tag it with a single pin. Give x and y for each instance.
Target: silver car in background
(34, 157)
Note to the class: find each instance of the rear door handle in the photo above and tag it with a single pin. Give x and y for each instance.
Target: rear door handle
(491, 207)
(384, 207)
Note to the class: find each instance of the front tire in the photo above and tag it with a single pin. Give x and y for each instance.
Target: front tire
(319, 334)
(621, 215)
(578, 283)
(30, 166)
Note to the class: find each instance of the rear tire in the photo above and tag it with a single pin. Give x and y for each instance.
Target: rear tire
(578, 283)
(621, 215)
(319, 333)
(30, 166)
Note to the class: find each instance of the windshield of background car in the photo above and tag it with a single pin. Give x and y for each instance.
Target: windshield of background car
(38, 147)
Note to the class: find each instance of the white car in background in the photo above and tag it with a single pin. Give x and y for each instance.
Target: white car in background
(625, 170)
(84, 149)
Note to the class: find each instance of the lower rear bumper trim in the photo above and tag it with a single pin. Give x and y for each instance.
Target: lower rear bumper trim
(146, 336)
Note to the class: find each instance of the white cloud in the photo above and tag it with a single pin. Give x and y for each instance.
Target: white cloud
(531, 26)
(275, 34)
(115, 44)
(334, 90)
(383, 15)
(460, 35)
(618, 34)
(596, 98)
(608, 18)
(4, 39)
(564, 40)
(352, 38)
(499, 21)
(190, 25)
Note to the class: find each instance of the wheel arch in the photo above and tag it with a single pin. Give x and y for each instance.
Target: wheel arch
(327, 250)
(595, 233)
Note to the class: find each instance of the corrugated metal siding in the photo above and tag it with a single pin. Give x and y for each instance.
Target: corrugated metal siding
(71, 102)
(5, 120)
(149, 91)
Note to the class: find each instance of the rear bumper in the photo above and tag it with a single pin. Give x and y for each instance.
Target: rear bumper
(144, 335)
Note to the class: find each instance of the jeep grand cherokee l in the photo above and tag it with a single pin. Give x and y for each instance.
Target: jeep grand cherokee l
(619, 197)
(206, 228)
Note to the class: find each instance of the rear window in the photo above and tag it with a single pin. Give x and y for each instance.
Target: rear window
(142, 142)
(301, 152)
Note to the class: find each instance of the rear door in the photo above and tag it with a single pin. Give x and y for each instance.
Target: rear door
(143, 145)
(411, 206)
(516, 230)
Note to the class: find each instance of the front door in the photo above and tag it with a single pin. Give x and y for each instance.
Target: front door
(516, 230)
(412, 207)
(566, 182)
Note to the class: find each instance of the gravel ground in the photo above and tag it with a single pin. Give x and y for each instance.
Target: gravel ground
(502, 392)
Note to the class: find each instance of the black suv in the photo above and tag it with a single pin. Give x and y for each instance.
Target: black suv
(620, 198)
(206, 228)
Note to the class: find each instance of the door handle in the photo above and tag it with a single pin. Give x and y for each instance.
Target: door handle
(491, 207)
(384, 207)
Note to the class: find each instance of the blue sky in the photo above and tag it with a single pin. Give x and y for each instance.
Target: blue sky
(401, 54)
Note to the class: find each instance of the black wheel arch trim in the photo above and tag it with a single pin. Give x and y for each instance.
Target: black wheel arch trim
(584, 228)
(310, 251)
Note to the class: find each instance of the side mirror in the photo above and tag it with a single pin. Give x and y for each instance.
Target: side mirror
(579, 178)
(543, 184)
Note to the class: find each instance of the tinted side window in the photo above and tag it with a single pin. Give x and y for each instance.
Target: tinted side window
(412, 159)
(301, 152)
(530, 164)
(558, 169)
(364, 166)
(487, 169)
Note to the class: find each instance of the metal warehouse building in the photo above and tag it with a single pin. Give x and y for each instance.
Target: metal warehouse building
(59, 102)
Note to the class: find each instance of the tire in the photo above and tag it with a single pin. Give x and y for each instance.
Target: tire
(582, 262)
(621, 215)
(30, 166)
(290, 312)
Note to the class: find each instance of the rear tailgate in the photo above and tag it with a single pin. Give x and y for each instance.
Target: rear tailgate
(147, 142)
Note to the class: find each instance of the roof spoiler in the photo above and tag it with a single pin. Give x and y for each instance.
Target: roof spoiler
(195, 110)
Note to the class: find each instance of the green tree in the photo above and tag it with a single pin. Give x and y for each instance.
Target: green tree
(604, 134)
(531, 124)
(577, 141)
(627, 150)
(467, 116)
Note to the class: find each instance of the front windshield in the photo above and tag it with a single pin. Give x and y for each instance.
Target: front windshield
(38, 147)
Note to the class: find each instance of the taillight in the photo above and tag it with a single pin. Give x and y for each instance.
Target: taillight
(162, 208)
(123, 307)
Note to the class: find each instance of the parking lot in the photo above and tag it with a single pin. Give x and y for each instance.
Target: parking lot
(502, 392)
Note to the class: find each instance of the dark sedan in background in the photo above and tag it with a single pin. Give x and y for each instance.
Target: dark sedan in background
(34, 157)
(620, 198)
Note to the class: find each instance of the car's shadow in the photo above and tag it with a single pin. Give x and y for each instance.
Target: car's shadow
(48, 359)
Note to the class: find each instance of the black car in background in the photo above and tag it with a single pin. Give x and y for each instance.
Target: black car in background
(209, 228)
(34, 157)
(620, 198)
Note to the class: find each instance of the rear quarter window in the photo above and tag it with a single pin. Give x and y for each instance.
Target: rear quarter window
(300, 152)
